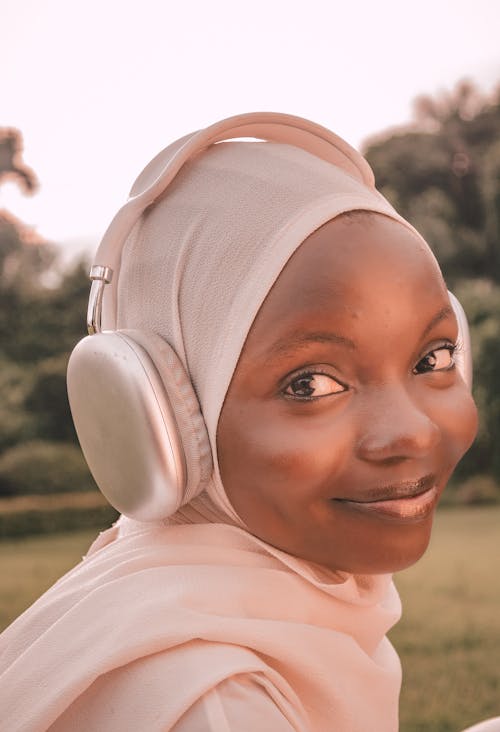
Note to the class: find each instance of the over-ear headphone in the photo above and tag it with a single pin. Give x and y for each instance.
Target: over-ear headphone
(135, 411)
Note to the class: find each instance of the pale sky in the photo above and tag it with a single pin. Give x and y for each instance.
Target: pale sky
(99, 87)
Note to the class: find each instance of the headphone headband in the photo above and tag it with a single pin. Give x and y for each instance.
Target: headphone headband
(135, 407)
(156, 176)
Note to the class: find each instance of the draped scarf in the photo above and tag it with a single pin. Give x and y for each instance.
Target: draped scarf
(157, 614)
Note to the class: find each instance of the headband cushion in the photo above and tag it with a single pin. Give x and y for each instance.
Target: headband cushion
(186, 408)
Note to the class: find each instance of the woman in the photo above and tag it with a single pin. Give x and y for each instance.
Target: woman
(311, 356)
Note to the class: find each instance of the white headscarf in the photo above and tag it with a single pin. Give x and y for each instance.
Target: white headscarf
(195, 603)
(197, 267)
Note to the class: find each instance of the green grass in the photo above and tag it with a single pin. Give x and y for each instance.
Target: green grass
(32, 564)
(448, 638)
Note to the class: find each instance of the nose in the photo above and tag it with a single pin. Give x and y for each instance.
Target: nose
(395, 427)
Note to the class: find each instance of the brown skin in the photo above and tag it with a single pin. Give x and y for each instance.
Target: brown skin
(394, 409)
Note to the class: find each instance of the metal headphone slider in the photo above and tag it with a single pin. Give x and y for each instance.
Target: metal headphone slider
(100, 276)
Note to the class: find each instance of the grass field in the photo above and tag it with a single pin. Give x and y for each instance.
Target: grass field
(448, 638)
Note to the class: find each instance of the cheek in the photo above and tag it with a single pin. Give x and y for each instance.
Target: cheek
(274, 452)
(456, 413)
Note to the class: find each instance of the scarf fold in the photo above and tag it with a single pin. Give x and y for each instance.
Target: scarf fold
(193, 604)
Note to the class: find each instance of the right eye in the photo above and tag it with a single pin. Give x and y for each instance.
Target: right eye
(312, 385)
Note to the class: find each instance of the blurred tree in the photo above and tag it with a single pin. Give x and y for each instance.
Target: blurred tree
(481, 301)
(487, 372)
(11, 165)
(443, 174)
(24, 255)
(49, 321)
(16, 423)
(39, 325)
(43, 466)
(36, 321)
(47, 400)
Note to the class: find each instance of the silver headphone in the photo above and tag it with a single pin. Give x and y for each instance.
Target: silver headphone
(135, 411)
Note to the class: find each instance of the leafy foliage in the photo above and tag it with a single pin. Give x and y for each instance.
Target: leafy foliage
(39, 326)
(40, 466)
(442, 173)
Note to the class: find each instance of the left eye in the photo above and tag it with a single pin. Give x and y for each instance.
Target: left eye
(441, 359)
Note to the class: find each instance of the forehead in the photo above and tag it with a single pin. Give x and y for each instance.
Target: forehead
(357, 268)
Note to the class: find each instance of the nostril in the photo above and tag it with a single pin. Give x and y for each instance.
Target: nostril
(389, 461)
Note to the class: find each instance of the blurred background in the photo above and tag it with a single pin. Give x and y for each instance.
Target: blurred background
(91, 91)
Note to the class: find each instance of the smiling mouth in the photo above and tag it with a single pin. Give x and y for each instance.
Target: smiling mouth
(408, 501)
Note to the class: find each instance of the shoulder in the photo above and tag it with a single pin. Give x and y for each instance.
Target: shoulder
(187, 689)
(244, 702)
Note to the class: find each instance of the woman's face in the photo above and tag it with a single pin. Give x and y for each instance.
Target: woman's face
(345, 416)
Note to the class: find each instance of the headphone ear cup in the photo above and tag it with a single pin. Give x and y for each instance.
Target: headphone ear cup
(463, 357)
(186, 407)
(138, 422)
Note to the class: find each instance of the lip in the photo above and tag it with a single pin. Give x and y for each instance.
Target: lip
(405, 502)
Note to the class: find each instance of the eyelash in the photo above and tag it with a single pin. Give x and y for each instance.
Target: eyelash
(453, 348)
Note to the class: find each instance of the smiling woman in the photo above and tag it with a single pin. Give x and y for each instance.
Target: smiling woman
(274, 394)
(337, 446)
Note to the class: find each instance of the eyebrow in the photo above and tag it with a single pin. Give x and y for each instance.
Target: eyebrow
(441, 315)
(297, 339)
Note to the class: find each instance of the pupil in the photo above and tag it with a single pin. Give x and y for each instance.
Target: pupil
(427, 363)
(303, 385)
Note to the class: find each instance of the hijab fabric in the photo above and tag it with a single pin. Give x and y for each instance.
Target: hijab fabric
(157, 614)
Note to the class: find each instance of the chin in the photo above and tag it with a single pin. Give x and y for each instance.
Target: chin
(386, 553)
(400, 555)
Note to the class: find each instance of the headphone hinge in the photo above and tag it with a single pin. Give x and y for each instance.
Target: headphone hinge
(100, 276)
